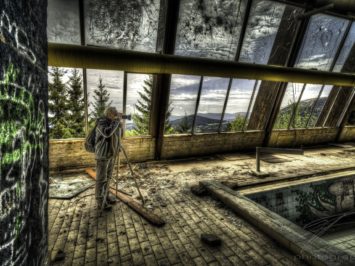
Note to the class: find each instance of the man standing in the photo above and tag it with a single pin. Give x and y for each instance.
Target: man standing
(107, 146)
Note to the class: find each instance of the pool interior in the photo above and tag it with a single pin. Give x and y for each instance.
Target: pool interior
(325, 207)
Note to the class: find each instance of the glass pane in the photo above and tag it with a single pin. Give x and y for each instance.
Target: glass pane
(131, 25)
(292, 94)
(105, 88)
(209, 28)
(344, 54)
(66, 107)
(139, 102)
(252, 103)
(211, 104)
(305, 105)
(318, 108)
(237, 105)
(321, 42)
(263, 25)
(182, 104)
(63, 21)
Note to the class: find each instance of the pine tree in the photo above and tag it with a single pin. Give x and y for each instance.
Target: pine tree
(185, 125)
(237, 124)
(101, 97)
(76, 105)
(57, 104)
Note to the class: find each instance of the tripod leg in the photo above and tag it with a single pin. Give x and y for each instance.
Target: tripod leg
(132, 173)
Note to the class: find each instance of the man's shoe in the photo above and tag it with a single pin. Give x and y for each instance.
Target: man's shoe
(111, 200)
(107, 207)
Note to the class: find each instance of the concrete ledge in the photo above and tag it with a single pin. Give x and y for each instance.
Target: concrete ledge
(305, 245)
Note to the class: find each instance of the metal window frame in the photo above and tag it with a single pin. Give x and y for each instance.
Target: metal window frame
(197, 105)
(225, 105)
(294, 114)
(314, 106)
(256, 84)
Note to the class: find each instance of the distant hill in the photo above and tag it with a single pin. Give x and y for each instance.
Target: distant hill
(306, 105)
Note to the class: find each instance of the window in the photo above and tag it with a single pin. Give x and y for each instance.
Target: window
(241, 98)
(321, 42)
(63, 21)
(346, 49)
(131, 25)
(139, 104)
(288, 105)
(182, 104)
(213, 94)
(209, 28)
(319, 105)
(268, 20)
(66, 107)
(105, 88)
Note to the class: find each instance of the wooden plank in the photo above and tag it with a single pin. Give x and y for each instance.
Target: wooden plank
(136, 206)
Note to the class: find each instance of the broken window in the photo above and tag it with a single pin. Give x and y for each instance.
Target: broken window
(182, 104)
(346, 50)
(240, 100)
(266, 21)
(209, 28)
(105, 88)
(130, 25)
(213, 94)
(139, 104)
(321, 41)
(63, 21)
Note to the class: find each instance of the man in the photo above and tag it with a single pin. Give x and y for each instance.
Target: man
(107, 145)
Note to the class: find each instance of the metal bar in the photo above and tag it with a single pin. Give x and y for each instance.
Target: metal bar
(250, 102)
(314, 105)
(316, 10)
(113, 59)
(294, 114)
(225, 104)
(257, 157)
(197, 104)
(243, 29)
(124, 107)
(345, 110)
(280, 150)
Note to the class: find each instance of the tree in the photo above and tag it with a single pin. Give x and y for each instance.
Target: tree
(76, 120)
(237, 124)
(101, 97)
(185, 125)
(57, 104)
(141, 119)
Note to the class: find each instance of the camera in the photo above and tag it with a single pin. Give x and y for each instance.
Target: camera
(128, 117)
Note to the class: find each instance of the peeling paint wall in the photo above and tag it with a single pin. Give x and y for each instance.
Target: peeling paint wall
(23, 132)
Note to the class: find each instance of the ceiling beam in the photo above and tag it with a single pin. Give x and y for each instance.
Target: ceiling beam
(77, 56)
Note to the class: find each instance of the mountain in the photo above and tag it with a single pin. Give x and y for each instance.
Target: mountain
(200, 121)
(306, 106)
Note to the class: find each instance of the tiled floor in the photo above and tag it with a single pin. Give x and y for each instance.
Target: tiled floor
(344, 239)
(122, 237)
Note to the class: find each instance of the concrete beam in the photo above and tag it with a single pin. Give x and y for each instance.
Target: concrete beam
(63, 55)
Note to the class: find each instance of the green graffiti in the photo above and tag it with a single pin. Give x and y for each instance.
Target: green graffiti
(10, 131)
(18, 218)
(10, 74)
(16, 155)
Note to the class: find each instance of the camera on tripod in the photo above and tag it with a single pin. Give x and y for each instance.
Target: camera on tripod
(128, 117)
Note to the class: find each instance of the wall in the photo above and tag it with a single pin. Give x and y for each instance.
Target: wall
(309, 202)
(298, 137)
(204, 144)
(71, 154)
(347, 134)
(23, 132)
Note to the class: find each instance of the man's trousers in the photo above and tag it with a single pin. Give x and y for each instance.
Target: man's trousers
(104, 168)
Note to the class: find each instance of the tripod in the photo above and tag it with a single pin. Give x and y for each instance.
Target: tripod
(118, 160)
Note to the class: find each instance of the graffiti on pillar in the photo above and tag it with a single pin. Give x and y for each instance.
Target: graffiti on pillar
(22, 150)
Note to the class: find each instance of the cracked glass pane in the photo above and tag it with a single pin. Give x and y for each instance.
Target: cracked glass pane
(346, 49)
(130, 25)
(240, 95)
(209, 28)
(288, 104)
(213, 94)
(105, 88)
(182, 103)
(321, 42)
(263, 25)
(63, 21)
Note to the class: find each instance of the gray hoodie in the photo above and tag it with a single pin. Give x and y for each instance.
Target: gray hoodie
(107, 138)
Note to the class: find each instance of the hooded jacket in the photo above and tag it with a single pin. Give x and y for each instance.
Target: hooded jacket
(107, 138)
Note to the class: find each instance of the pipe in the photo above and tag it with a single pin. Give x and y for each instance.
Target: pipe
(62, 55)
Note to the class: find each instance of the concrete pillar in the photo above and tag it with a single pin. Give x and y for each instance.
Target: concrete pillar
(23, 132)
